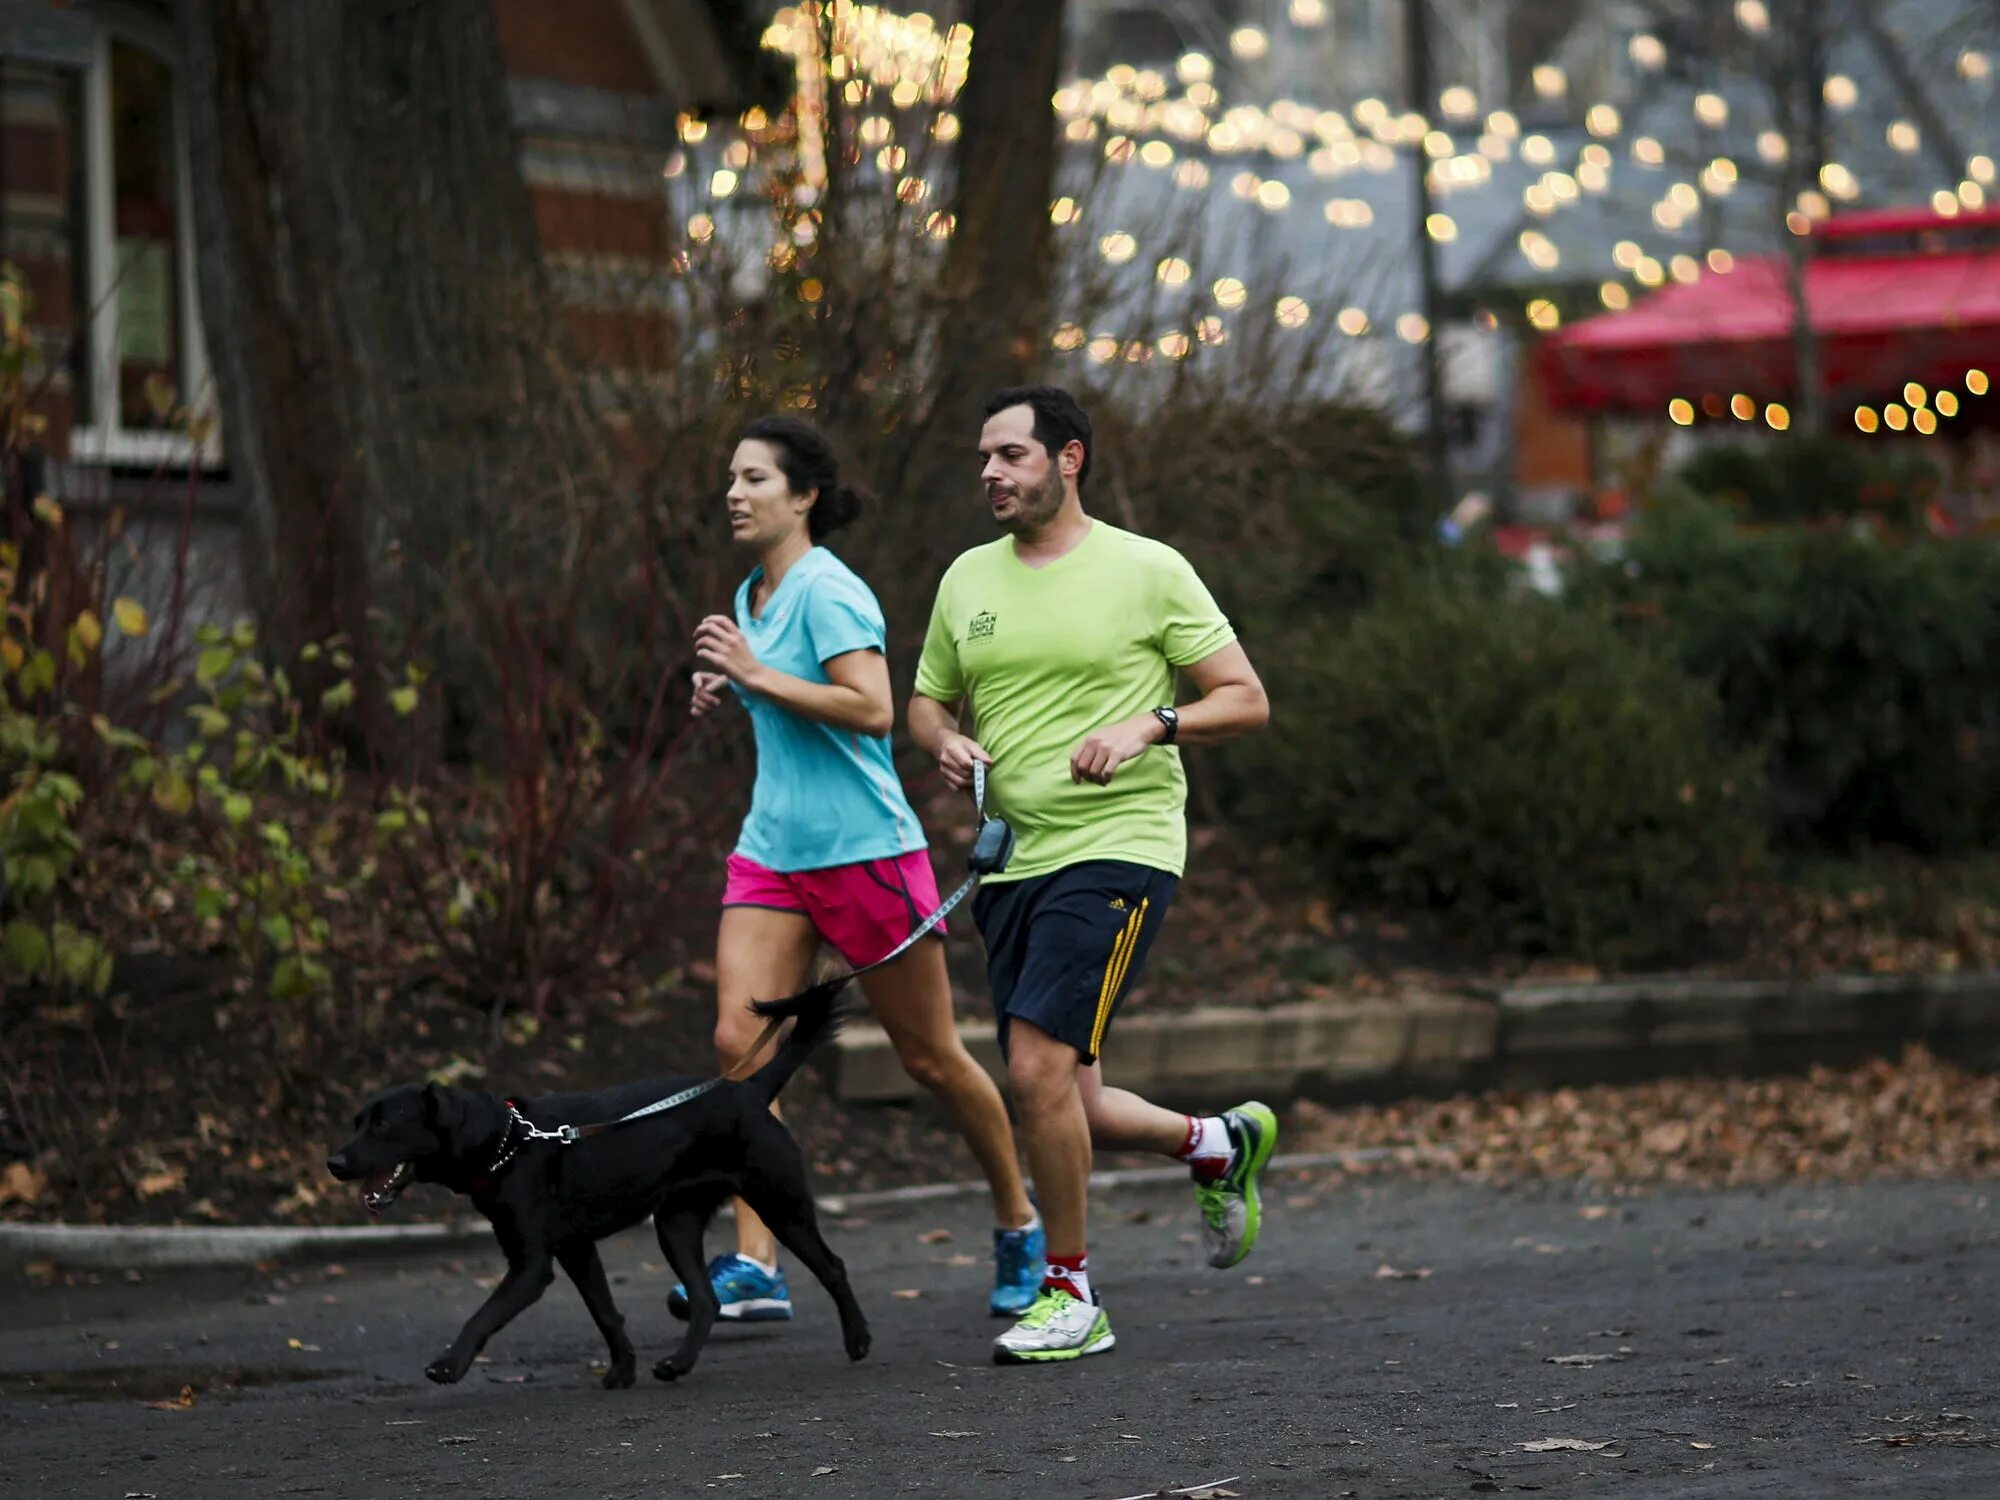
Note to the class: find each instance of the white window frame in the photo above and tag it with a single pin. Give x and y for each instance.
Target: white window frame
(105, 441)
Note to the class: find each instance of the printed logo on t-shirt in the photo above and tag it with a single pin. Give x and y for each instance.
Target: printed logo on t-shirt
(981, 625)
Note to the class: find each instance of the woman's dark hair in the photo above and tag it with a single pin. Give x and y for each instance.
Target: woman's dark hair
(808, 463)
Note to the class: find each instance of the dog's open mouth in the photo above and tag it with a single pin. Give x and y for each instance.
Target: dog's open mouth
(379, 1189)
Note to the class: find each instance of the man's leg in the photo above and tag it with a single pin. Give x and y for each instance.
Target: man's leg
(1042, 1075)
(1065, 1322)
(1121, 1120)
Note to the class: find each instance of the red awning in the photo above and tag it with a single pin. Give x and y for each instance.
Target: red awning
(1895, 296)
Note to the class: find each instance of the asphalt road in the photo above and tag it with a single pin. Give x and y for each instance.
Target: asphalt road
(1810, 1341)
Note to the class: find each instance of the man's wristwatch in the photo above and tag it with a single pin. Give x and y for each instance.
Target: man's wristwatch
(1171, 719)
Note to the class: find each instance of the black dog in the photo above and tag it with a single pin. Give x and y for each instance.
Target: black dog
(550, 1203)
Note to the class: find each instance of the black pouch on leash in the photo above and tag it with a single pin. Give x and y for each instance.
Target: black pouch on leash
(993, 844)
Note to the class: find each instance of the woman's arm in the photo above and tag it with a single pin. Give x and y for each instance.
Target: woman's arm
(857, 698)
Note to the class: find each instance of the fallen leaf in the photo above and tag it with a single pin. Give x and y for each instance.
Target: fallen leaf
(934, 1237)
(169, 1180)
(21, 1183)
(1596, 1211)
(959, 1260)
(174, 1403)
(1563, 1445)
(824, 1469)
(1703, 1446)
(907, 1293)
(1387, 1272)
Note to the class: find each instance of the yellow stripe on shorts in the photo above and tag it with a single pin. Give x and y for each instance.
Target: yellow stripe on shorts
(1114, 972)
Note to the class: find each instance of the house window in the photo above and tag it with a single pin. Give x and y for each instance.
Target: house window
(93, 195)
(148, 348)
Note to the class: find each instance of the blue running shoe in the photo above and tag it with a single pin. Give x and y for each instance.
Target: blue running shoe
(1019, 1256)
(748, 1293)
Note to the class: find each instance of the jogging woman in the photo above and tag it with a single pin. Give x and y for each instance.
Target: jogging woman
(831, 850)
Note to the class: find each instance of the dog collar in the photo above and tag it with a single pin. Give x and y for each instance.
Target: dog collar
(510, 1146)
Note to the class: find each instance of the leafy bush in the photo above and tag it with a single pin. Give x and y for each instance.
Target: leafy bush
(1293, 517)
(1810, 479)
(1864, 666)
(1510, 764)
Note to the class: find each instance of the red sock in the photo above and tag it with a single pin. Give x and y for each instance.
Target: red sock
(1069, 1274)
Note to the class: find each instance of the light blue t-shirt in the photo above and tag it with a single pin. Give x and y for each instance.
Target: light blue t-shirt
(824, 796)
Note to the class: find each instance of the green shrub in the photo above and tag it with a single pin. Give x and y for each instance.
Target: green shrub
(1808, 478)
(1864, 666)
(1511, 764)
(1293, 517)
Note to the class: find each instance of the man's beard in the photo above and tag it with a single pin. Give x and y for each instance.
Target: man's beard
(1035, 508)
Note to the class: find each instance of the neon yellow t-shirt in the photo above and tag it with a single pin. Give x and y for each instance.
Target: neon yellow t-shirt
(1046, 655)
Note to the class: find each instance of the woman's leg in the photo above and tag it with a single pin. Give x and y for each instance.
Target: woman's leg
(912, 999)
(760, 954)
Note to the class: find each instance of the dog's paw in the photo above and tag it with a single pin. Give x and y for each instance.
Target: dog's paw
(444, 1370)
(672, 1367)
(620, 1376)
(858, 1344)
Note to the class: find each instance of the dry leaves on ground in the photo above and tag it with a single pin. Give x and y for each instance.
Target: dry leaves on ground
(1914, 1117)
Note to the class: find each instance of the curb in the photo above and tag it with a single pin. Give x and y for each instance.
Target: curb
(164, 1247)
(160, 1247)
(847, 1203)
(1501, 1036)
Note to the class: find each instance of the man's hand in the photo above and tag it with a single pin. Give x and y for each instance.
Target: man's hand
(956, 753)
(718, 642)
(707, 693)
(1104, 750)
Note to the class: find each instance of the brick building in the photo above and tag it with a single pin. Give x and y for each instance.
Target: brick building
(95, 206)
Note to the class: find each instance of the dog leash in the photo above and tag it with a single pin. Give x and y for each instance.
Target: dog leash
(992, 847)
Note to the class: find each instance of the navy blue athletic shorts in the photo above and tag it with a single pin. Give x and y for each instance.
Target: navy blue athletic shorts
(1062, 949)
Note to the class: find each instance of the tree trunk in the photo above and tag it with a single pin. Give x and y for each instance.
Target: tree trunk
(1801, 101)
(370, 279)
(997, 273)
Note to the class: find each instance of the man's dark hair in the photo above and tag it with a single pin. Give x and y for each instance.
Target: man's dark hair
(1059, 421)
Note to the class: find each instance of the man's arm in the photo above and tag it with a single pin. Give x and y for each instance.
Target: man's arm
(1232, 702)
(934, 727)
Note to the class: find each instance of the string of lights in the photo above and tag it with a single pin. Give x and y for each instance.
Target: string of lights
(896, 75)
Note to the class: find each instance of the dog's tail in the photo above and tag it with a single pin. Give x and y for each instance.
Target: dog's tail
(817, 1014)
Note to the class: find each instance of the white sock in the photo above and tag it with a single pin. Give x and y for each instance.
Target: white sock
(769, 1268)
(1034, 1222)
(1079, 1278)
(1211, 1143)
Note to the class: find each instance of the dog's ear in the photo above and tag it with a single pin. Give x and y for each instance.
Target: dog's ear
(441, 1110)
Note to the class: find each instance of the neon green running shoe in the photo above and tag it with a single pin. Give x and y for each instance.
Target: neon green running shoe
(1230, 1208)
(1056, 1326)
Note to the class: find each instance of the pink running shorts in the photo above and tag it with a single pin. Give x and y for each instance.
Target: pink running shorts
(863, 909)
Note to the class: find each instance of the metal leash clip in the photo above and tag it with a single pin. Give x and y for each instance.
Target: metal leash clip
(993, 844)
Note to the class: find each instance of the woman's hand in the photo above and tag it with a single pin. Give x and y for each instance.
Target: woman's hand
(722, 646)
(707, 693)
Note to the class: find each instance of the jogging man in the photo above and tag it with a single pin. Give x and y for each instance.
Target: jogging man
(1063, 637)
